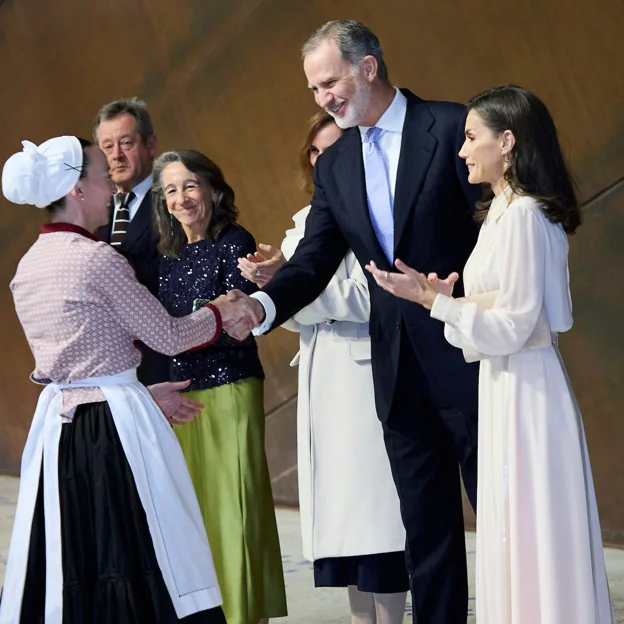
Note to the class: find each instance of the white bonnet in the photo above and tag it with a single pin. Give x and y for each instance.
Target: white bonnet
(42, 175)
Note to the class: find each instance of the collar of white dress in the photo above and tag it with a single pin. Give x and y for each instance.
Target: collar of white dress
(500, 203)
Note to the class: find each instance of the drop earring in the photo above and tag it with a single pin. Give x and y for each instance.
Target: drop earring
(171, 224)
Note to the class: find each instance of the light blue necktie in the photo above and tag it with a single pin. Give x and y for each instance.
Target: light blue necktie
(378, 192)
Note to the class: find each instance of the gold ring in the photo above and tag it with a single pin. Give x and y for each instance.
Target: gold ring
(386, 275)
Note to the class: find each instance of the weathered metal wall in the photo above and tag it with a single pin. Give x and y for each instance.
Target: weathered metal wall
(225, 78)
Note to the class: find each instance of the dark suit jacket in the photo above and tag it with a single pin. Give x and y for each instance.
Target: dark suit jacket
(433, 231)
(139, 247)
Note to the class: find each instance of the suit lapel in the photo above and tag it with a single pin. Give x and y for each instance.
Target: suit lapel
(417, 149)
(349, 173)
(140, 224)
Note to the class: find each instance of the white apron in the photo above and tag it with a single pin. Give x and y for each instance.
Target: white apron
(163, 484)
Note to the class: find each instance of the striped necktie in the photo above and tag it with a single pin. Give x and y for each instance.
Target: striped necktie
(122, 218)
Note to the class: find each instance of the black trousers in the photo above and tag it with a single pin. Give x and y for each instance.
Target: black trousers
(427, 441)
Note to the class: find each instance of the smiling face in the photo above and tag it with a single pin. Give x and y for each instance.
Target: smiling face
(189, 199)
(337, 89)
(484, 152)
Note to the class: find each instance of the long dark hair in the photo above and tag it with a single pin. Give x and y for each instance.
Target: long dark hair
(537, 167)
(171, 235)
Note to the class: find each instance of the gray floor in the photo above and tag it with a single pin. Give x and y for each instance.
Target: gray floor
(306, 604)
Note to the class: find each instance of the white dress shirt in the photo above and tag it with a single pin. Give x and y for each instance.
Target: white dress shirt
(391, 123)
(140, 191)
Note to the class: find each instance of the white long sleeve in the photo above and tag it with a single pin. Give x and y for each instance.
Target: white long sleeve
(520, 253)
(346, 296)
(344, 299)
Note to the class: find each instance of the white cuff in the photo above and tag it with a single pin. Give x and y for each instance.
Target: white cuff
(445, 309)
(269, 312)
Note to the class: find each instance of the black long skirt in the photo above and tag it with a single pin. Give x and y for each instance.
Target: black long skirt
(110, 571)
(383, 573)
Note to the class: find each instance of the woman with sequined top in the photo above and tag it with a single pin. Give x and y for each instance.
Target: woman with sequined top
(107, 526)
(224, 447)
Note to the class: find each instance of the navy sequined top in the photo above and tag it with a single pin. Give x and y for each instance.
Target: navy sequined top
(205, 270)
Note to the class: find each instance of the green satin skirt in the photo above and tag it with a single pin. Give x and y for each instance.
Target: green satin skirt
(224, 450)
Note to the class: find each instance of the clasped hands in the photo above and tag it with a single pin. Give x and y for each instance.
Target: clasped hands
(411, 285)
(240, 313)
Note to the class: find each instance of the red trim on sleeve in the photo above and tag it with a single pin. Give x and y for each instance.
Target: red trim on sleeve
(218, 330)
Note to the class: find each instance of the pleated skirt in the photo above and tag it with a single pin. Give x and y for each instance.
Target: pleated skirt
(224, 451)
(110, 571)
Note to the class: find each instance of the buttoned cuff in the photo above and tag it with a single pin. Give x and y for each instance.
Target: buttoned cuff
(269, 313)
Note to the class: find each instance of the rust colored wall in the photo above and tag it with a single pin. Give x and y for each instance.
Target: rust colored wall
(225, 78)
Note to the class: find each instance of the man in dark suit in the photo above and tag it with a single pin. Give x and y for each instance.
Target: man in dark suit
(394, 187)
(124, 132)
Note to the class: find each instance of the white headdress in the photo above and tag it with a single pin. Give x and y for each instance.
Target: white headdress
(42, 175)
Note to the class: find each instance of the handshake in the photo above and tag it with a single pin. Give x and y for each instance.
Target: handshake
(239, 313)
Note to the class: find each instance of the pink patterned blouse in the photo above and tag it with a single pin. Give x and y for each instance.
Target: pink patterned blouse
(81, 308)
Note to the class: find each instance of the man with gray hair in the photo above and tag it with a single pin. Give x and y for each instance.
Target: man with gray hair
(393, 187)
(124, 132)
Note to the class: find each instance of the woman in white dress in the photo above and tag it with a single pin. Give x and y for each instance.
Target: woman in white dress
(350, 517)
(539, 549)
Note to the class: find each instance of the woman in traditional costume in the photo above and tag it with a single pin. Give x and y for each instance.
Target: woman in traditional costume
(107, 527)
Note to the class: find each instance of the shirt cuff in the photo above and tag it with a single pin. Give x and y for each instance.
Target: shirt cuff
(269, 312)
(446, 309)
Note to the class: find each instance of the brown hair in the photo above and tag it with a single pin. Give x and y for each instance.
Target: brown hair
(171, 235)
(315, 124)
